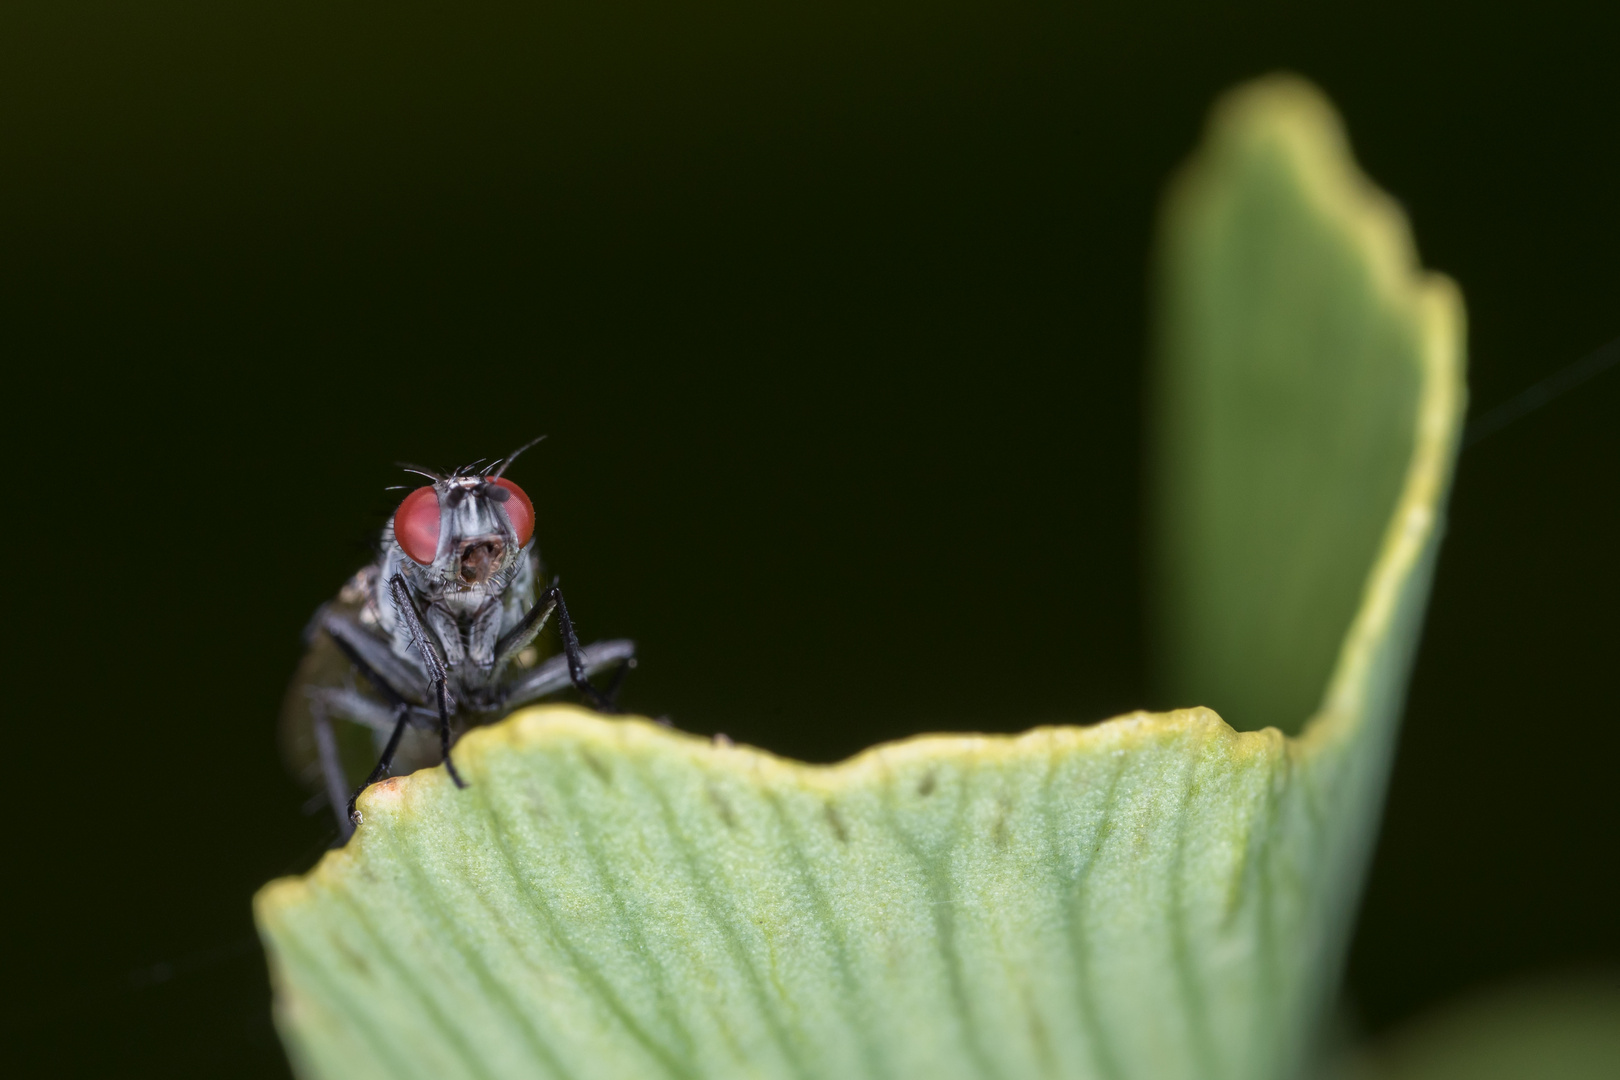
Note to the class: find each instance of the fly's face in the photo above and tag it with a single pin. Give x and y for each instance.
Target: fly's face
(463, 534)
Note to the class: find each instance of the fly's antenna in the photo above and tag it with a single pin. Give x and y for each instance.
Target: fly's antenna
(506, 463)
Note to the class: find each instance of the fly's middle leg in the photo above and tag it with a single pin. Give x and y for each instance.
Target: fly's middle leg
(331, 764)
(330, 703)
(553, 675)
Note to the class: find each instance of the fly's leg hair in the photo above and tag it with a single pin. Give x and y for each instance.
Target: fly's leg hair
(437, 674)
(402, 717)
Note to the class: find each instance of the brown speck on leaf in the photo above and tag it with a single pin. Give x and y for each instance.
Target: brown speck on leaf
(350, 957)
(925, 786)
(837, 823)
(727, 815)
(596, 766)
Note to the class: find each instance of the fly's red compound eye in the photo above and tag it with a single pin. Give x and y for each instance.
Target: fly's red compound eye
(416, 525)
(518, 508)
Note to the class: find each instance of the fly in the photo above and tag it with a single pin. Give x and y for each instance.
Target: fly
(435, 636)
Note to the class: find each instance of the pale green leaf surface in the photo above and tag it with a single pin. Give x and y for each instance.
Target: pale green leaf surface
(1158, 896)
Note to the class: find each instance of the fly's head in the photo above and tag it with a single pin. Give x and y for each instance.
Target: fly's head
(465, 532)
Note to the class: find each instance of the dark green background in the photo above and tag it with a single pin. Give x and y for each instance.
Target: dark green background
(834, 315)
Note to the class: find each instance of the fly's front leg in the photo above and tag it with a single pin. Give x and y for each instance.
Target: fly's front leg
(528, 628)
(578, 672)
(576, 659)
(438, 676)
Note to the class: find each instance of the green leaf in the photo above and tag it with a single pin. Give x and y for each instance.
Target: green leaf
(1158, 896)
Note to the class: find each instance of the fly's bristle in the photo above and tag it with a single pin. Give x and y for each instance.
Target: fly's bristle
(432, 474)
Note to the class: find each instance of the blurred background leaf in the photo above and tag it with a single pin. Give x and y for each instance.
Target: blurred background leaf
(1293, 339)
(1566, 1029)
